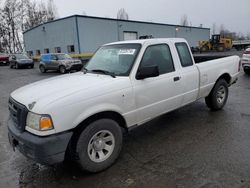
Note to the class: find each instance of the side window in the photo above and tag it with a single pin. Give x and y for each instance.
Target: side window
(184, 54)
(159, 55)
(53, 57)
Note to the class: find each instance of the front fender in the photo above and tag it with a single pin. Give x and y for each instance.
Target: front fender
(95, 110)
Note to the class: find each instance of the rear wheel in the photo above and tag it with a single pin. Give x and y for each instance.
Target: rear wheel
(99, 145)
(42, 69)
(247, 71)
(218, 96)
(62, 69)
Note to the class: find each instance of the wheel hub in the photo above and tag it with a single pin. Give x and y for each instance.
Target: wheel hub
(98, 144)
(220, 95)
(101, 146)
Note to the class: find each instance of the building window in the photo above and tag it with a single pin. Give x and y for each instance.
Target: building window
(38, 52)
(57, 50)
(71, 48)
(130, 35)
(46, 50)
(30, 53)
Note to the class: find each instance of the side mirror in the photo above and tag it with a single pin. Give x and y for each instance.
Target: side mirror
(147, 72)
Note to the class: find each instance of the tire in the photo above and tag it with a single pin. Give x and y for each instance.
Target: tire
(31, 66)
(94, 153)
(217, 98)
(220, 48)
(247, 71)
(62, 69)
(205, 49)
(42, 69)
(16, 66)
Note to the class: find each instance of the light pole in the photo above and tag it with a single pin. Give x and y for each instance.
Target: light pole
(176, 32)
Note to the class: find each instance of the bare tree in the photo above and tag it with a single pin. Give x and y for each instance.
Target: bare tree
(84, 13)
(122, 14)
(184, 20)
(222, 29)
(11, 15)
(51, 10)
(248, 36)
(19, 15)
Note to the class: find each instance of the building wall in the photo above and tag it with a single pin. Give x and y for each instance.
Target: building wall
(96, 32)
(192, 35)
(50, 35)
(93, 32)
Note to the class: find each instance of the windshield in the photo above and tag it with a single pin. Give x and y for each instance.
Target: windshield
(21, 56)
(63, 56)
(117, 59)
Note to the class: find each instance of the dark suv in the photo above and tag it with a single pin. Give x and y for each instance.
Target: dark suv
(20, 60)
(59, 61)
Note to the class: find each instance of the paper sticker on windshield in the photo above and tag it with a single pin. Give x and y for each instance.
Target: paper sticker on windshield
(126, 51)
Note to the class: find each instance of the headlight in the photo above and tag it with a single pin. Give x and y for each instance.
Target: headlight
(39, 122)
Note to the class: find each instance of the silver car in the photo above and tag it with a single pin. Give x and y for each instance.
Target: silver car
(59, 61)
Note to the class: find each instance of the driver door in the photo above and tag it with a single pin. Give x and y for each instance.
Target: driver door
(54, 63)
(158, 95)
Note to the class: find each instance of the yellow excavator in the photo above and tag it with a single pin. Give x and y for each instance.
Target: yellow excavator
(216, 43)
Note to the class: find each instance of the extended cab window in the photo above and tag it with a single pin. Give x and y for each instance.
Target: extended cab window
(159, 55)
(184, 54)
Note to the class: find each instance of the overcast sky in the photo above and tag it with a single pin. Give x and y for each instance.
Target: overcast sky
(233, 14)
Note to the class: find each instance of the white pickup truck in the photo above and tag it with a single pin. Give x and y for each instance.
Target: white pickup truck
(124, 85)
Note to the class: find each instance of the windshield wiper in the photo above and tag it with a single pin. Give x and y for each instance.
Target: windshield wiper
(104, 72)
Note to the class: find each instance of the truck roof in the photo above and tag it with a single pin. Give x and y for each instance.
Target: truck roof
(149, 41)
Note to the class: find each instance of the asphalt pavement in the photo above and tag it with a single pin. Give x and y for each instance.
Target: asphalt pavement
(189, 147)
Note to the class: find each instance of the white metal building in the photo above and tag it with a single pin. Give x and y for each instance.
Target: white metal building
(84, 34)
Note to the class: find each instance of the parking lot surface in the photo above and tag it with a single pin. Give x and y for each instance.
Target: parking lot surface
(190, 147)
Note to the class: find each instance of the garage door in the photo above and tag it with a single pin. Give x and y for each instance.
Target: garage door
(130, 35)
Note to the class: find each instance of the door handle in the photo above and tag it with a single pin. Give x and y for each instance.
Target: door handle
(177, 78)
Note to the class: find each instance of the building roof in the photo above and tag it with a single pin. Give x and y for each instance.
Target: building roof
(143, 41)
(102, 18)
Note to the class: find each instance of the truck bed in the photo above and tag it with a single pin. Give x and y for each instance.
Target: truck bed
(200, 58)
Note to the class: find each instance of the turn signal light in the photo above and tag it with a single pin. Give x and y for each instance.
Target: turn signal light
(46, 123)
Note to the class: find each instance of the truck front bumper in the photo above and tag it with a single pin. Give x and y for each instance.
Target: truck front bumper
(45, 150)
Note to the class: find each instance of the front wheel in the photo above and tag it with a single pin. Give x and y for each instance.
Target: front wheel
(17, 66)
(99, 145)
(42, 69)
(62, 69)
(218, 96)
(247, 71)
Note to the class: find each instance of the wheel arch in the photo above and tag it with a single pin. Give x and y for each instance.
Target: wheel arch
(71, 148)
(104, 114)
(226, 77)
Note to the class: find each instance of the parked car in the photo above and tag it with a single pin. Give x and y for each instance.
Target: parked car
(20, 60)
(245, 61)
(59, 61)
(125, 84)
(4, 59)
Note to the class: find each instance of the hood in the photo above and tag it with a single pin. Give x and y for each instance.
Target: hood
(45, 92)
